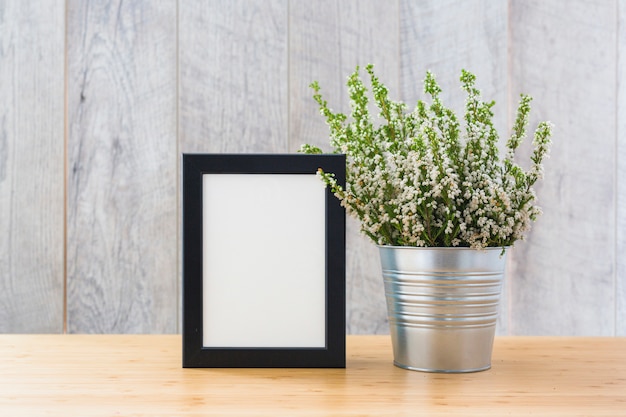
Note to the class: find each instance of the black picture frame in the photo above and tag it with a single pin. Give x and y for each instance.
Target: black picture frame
(315, 340)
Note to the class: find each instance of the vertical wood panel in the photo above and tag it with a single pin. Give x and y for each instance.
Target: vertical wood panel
(620, 324)
(244, 69)
(32, 40)
(446, 37)
(122, 250)
(327, 40)
(564, 56)
(233, 76)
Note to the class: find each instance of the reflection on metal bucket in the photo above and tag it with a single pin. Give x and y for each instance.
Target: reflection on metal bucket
(442, 305)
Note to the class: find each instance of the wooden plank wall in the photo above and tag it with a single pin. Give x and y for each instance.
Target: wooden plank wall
(565, 275)
(122, 165)
(99, 98)
(32, 142)
(620, 178)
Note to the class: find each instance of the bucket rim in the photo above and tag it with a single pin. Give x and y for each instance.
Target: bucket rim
(444, 248)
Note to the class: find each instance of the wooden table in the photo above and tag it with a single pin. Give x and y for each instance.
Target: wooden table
(129, 375)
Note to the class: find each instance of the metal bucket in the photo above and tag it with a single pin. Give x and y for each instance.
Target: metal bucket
(442, 305)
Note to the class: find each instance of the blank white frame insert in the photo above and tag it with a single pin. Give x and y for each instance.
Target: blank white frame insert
(264, 269)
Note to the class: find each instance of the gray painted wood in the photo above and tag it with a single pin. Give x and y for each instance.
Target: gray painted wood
(563, 276)
(450, 35)
(31, 166)
(620, 285)
(445, 37)
(122, 162)
(328, 40)
(238, 82)
(233, 76)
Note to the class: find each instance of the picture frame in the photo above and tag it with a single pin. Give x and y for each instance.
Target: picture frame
(263, 244)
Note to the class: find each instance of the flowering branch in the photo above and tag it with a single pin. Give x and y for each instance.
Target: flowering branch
(419, 179)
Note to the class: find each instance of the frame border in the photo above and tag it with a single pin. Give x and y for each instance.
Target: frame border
(195, 355)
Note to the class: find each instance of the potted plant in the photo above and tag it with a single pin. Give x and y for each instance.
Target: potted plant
(443, 206)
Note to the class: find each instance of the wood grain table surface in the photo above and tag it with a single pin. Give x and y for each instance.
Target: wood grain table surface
(142, 375)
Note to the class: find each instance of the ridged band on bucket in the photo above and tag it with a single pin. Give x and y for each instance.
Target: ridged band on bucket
(442, 305)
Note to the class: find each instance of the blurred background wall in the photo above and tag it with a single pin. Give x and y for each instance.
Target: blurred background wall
(98, 99)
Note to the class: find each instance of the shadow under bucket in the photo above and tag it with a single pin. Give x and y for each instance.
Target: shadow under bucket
(442, 305)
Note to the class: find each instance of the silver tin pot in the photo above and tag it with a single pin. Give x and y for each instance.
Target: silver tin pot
(442, 305)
